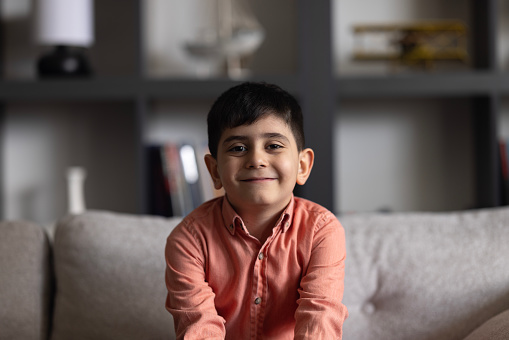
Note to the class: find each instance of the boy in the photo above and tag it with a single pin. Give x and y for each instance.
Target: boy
(257, 263)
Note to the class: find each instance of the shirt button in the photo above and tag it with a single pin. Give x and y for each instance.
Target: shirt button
(369, 308)
(260, 256)
(257, 301)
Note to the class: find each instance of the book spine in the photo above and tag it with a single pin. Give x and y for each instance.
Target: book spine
(505, 170)
(159, 200)
(179, 180)
(191, 177)
(173, 177)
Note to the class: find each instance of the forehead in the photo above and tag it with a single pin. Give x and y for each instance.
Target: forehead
(265, 125)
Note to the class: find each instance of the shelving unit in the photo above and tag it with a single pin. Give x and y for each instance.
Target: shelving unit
(315, 83)
(478, 88)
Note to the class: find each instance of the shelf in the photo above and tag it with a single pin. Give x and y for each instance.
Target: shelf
(208, 88)
(422, 85)
(126, 88)
(89, 89)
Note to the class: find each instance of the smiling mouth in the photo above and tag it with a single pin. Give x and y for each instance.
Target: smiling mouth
(258, 179)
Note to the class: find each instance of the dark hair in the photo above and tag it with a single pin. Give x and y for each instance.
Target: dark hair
(244, 104)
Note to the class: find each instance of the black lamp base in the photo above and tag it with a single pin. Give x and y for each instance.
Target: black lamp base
(63, 62)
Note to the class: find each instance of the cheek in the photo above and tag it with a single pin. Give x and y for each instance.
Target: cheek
(289, 168)
(228, 170)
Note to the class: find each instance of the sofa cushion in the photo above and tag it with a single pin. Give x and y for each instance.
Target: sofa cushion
(496, 328)
(110, 277)
(25, 282)
(425, 275)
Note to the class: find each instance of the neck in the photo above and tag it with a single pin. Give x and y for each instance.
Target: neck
(260, 226)
(260, 221)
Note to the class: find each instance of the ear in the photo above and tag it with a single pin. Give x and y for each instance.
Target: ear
(211, 163)
(306, 159)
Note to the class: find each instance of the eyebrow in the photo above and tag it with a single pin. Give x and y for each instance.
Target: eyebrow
(267, 135)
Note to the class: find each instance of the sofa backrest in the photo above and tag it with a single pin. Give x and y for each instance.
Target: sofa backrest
(110, 277)
(25, 282)
(425, 276)
(408, 276)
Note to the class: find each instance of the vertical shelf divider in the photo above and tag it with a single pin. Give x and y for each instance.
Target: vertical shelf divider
(141, 111)
(2, 157)
(488, 182)
(317, 95)
(2, 123)
(485, 109)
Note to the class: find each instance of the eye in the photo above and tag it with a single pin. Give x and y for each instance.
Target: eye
(238, 148)
(274, 147)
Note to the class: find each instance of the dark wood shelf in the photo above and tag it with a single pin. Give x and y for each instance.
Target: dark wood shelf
(116, 88)
(423, 85)
(63, 89)
(190, 88)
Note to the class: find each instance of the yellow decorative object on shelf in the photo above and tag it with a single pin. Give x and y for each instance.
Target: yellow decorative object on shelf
(414, 44)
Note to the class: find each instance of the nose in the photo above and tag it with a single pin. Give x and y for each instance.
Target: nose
(256, 159)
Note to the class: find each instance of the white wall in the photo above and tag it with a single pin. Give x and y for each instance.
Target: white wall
(503, 127)
(503, 63)
(178, 122)
(404, 154)
(503, 35)
(43, 139)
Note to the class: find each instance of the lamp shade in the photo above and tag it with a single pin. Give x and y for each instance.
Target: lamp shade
(65, 22)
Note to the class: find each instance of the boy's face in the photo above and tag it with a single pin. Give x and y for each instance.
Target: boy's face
(259, 164)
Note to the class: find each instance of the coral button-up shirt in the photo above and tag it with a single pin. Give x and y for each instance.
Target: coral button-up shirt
(224, 284)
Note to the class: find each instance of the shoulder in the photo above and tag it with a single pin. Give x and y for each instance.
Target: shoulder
(311, 213)
(199, 222)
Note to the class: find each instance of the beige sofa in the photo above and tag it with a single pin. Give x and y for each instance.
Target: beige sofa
(408, 276)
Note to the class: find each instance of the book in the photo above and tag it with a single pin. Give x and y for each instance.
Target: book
(158, 192)
(191, 176)
(174, 178)
(179, 180)
(504, 169)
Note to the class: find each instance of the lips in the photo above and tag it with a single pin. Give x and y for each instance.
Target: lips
(258, 179)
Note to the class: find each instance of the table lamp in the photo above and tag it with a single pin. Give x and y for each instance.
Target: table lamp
(67, 26)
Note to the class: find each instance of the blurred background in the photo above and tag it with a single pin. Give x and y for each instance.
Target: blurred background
(398, 128)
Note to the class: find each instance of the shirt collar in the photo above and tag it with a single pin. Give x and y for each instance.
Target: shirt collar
(232, 220)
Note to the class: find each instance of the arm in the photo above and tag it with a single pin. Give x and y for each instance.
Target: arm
(320, 313)
(190, 299)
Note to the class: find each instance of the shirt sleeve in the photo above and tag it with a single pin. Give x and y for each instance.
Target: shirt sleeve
(320, 313)
(190, 299)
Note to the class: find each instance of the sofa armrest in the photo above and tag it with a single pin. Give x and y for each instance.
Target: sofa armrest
(25, 281)
(496, 328)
